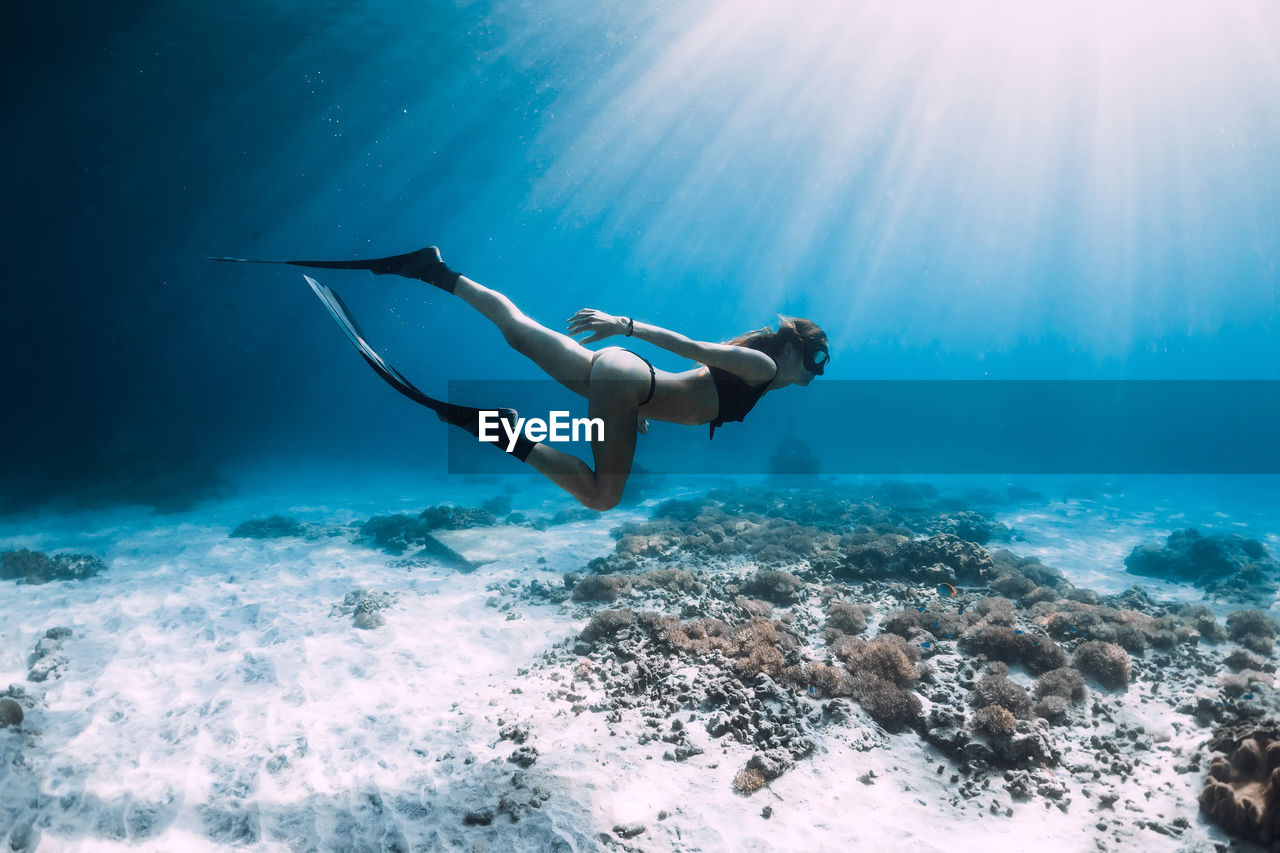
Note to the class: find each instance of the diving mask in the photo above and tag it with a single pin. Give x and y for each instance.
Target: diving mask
(815, 359)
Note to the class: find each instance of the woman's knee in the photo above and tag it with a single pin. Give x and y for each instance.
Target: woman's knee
(603, 499)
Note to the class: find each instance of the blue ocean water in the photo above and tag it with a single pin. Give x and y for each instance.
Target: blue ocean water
(965, 199)
(1051, 194)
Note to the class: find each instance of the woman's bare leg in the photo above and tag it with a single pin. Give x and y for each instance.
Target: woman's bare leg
(560, 356)
(614, 398)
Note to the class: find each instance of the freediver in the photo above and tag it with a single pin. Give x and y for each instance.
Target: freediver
(622, 388)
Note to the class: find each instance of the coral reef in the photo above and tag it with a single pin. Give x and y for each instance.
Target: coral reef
(1223, 564)
(36, 567)
(606, 623)
(399, 533)
(599, 587)
(1063, 683)
(1013, 645)
(675, 580)
(886, 657)
(784, 526)
(498, 506)
(363, 607)
(447, 517)
(941, 558)
(970, 526)
(876, 613)
(998, 611)
(888, 704)
(274, 527)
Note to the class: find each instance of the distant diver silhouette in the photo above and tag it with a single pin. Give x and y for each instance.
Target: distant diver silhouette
(729, 380)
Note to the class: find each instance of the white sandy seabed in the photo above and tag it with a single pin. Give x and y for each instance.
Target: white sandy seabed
(210, 699)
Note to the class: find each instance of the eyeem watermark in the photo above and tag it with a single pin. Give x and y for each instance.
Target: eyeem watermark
(558, 427)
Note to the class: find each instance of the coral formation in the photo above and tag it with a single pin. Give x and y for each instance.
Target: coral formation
(1222, 564)
(942, 558)
(364, 608)
(36, 567)
(995, 688)
(601, 587)
(886, 657)
(1064, 682)
(676, 580)
(49, 660)
(765, 679)
(770, 585)
(747, 781)
(397, 534)
(1013, 645)
(447, 517)
(606, 623)
(10, 712)
(998, 611)
(847, 618)
(274, 527)
(995, 720)
(887, 703)
(1106, 663)
(1252, 629)
(970, 526)
(1242, 791)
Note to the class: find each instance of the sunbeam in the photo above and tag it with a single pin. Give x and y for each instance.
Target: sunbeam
(991, 172)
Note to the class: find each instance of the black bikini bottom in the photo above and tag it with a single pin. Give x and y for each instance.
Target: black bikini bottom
(653, 376)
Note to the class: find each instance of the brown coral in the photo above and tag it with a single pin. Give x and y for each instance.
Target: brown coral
(1242, 791)
(747, 782)
(826, 681)
(847, 618)
(774, 586)
(888, 704)
(753, 648)
(606, 623)
(672, 579)
(1252, 629)
(601, 587)
(996, 689)
(999, 611)
(886, 657)
(1064, 682)
(995, 720)
(1106, 663)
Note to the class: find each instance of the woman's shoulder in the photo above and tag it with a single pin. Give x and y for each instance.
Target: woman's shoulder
(720, 374)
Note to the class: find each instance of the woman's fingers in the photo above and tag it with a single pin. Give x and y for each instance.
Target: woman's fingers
(589, 321)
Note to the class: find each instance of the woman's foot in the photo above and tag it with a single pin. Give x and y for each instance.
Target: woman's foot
(424, 265)
(468, 418)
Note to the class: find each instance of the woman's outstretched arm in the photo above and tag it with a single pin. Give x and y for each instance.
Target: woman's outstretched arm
(752, 365)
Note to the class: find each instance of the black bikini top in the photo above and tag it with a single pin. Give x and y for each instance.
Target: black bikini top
(737, 398)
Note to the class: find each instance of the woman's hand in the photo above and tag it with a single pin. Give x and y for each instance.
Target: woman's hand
(596, 323)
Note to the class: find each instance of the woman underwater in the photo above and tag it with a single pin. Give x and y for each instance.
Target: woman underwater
(622, 388)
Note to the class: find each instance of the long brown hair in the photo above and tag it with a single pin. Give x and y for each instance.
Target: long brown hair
(804, 334)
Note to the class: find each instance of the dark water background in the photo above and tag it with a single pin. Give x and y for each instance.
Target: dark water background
(969, 197)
